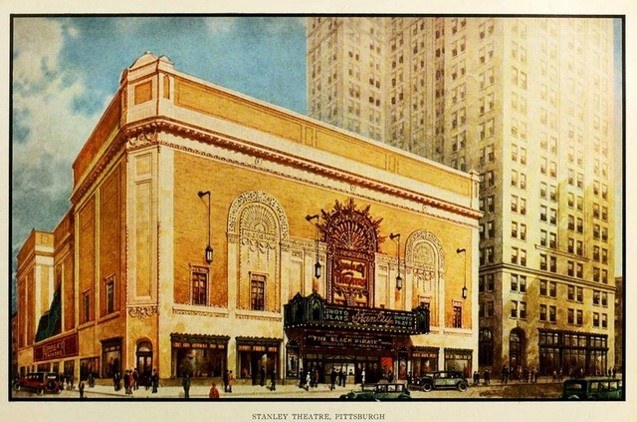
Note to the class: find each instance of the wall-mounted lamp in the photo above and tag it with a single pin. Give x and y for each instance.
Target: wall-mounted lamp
(399, 279)
(317, 266)
(464, 289)
(208, 251)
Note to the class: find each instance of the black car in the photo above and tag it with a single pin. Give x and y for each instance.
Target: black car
(381, 391)
(443, 379)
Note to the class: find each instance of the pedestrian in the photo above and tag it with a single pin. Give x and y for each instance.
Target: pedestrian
(135, 379)
(91, 380)
(408, 379)
(333, 376)
(533, 375)
(131, 382)
(614, 372)
(225, 381)
(126, 382)
(476, 377)
(315, 380)
(272, 380)
(262, 376)
(308, 380)
(362, 377)
(81, 388)
(301, 378)
(213, 393)
(154, 380)
(230, 381)
(487, 377)
(118, 377)
(185, 383)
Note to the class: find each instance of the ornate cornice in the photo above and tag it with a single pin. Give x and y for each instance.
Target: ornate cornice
(143, 312)
(145, 133)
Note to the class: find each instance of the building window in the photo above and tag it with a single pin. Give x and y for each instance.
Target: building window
(552, 289)
(604, 321)
(552, 314)
(514, 309)
(86, 306)
(257, 293)
(522, 310)
(543, 312)
(571, 316)
(457, 316)
(595, 319)
(110, 295)
(199, 281)
(580, 317)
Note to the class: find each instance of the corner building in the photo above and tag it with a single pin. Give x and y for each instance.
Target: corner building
(209, 231)
(528, 104)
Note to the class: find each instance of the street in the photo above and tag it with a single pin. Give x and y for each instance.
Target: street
(544, 389)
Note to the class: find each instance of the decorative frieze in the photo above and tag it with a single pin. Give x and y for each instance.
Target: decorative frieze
(143, 312)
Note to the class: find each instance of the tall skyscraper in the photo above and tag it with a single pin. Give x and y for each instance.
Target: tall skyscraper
(528, 103)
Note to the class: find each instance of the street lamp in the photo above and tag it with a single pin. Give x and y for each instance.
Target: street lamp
(399, 279)
(464, 289)
(208, 252)
(317, 265)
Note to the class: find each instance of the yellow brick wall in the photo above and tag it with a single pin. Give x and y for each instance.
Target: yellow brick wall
(110, 240)
(226, 182)
(87, 255)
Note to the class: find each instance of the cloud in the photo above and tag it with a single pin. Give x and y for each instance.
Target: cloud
(49, 129)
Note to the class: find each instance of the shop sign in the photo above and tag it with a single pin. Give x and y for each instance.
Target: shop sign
(347, 341)
(369, 316)
(56, 349)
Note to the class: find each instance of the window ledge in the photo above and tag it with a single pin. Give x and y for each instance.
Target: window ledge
(199, 310)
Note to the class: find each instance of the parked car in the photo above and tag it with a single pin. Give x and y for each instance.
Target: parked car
(381, 391)
(592, 389)
(40, 382)
(443, 379)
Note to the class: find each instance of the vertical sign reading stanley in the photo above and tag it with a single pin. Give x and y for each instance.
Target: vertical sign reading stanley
(352, 239)
(55, 349)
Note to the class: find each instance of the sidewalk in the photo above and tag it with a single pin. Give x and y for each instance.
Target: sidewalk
(201, 392)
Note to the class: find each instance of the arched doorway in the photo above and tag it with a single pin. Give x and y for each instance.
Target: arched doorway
(516, 349)
(485, 353)
(144, 358)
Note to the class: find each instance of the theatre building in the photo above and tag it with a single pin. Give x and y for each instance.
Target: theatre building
(209, 231)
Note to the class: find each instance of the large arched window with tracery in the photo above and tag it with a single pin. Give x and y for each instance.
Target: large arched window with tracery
(257, 225)
(425, 261)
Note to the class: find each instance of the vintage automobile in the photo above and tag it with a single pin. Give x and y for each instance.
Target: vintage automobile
(380, 391)
(443, 379)
(592, 389)
(40, 382)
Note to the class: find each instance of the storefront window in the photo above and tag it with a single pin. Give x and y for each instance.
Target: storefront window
(111, 357)
(424, 361)
(197, 355)
(88, 366)
(458, 360)
(256, 359)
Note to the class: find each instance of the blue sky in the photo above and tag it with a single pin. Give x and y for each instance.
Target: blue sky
(65, 71)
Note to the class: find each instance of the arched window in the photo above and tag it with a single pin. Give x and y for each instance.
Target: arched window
(516, 348)
(485, 351)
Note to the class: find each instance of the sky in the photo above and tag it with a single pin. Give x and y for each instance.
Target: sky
(66, 70)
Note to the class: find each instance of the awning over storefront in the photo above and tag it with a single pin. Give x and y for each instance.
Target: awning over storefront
(314, 312)
(198, 341)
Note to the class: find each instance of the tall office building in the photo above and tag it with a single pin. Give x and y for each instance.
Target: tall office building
(527, 102)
